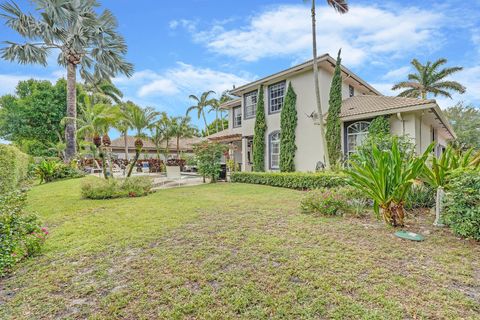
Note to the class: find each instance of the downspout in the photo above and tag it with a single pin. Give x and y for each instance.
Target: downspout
(399, 117)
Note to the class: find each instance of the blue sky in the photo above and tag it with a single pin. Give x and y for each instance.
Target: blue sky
(186, 47)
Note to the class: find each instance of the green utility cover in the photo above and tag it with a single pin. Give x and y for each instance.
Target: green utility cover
(409, 235)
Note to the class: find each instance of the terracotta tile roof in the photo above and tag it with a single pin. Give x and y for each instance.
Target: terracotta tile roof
(234, 133)
(185, 144)
(365, 104)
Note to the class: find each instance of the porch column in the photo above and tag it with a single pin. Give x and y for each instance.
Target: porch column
(244, 153)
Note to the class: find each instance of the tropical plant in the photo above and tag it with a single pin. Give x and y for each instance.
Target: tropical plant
(225, 97)
(162, 131)
(139, 119)
(334, 145)
(84, 39)
(208, 155)
(465, 120)
(428, 79)
(103, 91)
(123, 125)
(386, 177)
(259, 136)
(182, 128)
(437, 173)
(202, 104)
(340, 6)
(46, 170)
(288, 126)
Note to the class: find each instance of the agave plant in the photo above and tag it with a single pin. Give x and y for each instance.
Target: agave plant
(438, 172)
(386, 177)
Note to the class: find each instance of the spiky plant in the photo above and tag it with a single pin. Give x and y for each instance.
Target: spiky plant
(429, 79)
(85, 39)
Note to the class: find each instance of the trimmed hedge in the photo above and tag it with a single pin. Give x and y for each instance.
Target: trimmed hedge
(292, 180)
(13, 167)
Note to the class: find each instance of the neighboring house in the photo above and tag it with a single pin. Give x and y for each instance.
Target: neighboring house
(421, 120)
(150, 151)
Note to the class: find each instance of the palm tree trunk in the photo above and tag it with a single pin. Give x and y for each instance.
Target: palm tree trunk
(223, 122)
(216, 120)
(125, 140)
(71, 127)
(134, 163)
(317, 88)
(205, 121)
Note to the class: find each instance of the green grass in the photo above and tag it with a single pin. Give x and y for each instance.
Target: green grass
(233, 251)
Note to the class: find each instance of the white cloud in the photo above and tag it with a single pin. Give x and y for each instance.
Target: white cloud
(363, 33)
(9, 81)
(190, 25)
(397, 74)
(183, 79)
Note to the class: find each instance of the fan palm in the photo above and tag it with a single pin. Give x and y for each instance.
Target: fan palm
(202, 104)
(139, 119)
(428, 79)
(340, 6)
(181, 128)
(84, 39)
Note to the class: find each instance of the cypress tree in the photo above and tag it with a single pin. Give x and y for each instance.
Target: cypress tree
(333, 133)
(259, 134)
(288, 125)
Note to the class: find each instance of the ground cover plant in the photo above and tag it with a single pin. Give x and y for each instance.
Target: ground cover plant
(115, 188)
(230, 251)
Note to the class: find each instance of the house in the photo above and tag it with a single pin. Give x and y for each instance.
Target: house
(421, 120)
(150, 151)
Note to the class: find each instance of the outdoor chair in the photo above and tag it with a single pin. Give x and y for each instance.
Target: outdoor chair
(173, 174)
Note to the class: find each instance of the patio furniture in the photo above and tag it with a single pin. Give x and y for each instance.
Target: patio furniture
(173, 174)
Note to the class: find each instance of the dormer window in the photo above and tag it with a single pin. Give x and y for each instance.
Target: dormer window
(351, 91)
(250, 104)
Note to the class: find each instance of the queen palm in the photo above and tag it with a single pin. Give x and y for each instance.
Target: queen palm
(181, 128)
(139, 119)
(429, 79)
(341, 6)
(162, 131)
(85, 40)
(123, 125)
(202, 104)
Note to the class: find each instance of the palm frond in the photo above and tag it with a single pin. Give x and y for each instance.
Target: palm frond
(341, 6)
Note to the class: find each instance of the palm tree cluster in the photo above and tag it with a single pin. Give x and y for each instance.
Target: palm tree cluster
(206, 103)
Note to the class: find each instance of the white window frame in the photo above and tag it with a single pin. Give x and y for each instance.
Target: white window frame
(361, 133)
(271, 155)
(351, 90)
(237, 116)
(250, 103)
(277, 100)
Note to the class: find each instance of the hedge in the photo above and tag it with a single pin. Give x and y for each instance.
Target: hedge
(293, 180)
(13, 167)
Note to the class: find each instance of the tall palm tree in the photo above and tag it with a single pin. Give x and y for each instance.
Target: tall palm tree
(215, 107)
(182, 128)
(162, 131)
(225, 97)
(123, 125)
(428, 79)
(202, 103)
(341, 6)
(84, 39)
(103, 91)
(139, 119)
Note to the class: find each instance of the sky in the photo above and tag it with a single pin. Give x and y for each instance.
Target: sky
(180, 48)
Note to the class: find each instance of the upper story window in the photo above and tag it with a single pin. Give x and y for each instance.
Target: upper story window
(250, 104)
(351, 91)
(356, 134)
(237, 117)
(274, 150)
(276, 94)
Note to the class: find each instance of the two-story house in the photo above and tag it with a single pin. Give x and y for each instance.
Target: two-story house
(421, 120)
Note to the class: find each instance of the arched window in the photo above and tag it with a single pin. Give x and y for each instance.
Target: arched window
(356, 134)
(274, 150)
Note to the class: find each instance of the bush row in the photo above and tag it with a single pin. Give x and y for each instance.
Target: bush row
(334, 202)
(13, 167)
(21, 234)
(112, 188)
(293, 180)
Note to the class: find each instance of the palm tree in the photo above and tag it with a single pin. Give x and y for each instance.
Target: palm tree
(103, 91)
(139, 119)
(182, 128)
(202, 103)
(162, 131)
(341, 6)
(215, 107)
(123, 125)
(225, 97)
(428, 79)
(84, 39)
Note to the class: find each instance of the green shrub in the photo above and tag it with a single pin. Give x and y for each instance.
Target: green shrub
(209, 156)
(112, 188)
(293, 180)
(420, 196)
(333, 202)
(462, 204)
(51, 170)
(21, 234)
(13, 167)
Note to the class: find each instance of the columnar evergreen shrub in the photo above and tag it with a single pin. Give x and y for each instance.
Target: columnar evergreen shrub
(13, 167)
(462, 204)
(259, 134)
(292, 180)
(288, 125)
(333, 133)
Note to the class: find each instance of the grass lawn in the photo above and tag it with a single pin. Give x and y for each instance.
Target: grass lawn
(233, 251)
